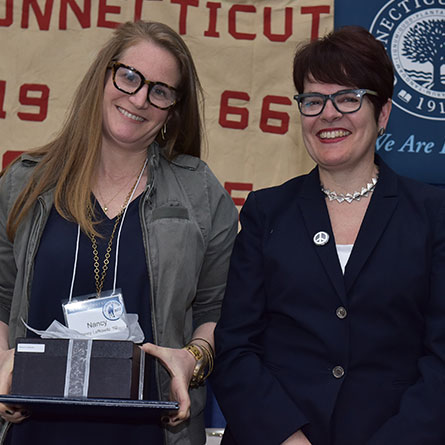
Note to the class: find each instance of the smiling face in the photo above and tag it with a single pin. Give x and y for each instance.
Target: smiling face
(337, 141)
(129, 121)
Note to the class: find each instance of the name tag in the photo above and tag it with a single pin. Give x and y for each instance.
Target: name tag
(94, 317)
(30, 347)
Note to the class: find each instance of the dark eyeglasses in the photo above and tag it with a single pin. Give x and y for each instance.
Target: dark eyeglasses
(130, 81)
(344, 101)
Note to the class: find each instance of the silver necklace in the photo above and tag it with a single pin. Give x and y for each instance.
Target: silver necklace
(349, 197)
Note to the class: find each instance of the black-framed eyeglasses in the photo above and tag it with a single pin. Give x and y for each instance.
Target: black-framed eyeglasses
(344, 101)
(129, 80)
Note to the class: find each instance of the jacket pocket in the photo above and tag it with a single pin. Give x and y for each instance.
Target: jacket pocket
(170, 212)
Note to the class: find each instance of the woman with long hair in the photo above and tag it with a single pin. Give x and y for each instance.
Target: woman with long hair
(123, 190)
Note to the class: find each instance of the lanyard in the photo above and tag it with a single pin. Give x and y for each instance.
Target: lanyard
(76, 255)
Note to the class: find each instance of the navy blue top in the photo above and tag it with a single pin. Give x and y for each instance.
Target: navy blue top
(53, 269)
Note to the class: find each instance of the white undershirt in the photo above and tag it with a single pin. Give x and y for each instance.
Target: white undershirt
(344, 252)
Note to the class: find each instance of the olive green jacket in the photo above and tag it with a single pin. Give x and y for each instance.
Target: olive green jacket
(189, 223)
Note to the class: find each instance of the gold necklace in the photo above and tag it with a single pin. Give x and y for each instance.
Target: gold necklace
(100, 278)
(105, 206)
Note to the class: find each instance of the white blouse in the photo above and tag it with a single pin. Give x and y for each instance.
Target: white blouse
(344, 252)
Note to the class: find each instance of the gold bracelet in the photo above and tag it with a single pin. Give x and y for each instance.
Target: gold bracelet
(201, 364)
(195, 351)
(205, 341)
(209, 353)
(209, 369)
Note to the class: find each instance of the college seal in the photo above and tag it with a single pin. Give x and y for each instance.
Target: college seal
(413, 33)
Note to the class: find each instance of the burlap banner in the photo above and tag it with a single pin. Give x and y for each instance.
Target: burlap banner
(243, 51)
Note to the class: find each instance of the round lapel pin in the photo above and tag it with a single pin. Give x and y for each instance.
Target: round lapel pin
(321, 238)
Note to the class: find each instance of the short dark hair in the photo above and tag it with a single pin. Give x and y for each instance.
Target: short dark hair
(350, 56)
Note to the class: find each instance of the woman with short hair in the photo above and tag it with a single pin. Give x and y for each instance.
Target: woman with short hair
(333, 323)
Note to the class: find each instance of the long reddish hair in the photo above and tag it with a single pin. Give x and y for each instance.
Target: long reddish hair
(67, 163)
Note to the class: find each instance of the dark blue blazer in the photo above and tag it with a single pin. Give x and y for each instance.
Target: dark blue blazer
(351, 359)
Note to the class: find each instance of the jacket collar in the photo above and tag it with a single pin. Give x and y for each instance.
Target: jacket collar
(383, 203)
(316, 218)
(184, 161)
(312, 204)
(28, 159)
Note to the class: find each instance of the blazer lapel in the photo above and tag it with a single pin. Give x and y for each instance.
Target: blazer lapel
(383, 203)
(316, 218)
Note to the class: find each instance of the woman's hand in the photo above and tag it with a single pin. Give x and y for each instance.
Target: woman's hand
(297, 438)
(180, 365)
(10, 413)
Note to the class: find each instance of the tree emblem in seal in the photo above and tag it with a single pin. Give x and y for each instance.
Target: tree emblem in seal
(413, 33)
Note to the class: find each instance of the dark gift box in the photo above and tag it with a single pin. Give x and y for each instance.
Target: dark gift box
(77, 368)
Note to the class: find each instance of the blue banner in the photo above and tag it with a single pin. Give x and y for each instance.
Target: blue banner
(413, 33)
